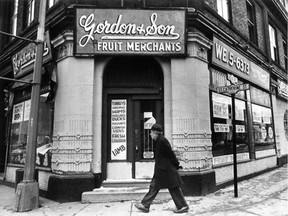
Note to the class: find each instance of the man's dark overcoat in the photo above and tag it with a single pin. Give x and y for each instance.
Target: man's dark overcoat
(166, 164)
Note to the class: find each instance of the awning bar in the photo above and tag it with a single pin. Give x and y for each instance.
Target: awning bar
(15, 80)
(22, 38)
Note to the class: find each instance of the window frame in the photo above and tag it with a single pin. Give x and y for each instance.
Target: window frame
(273, 43)
(284, 42)
(51, 3)
(28, 13)
(20, 121)
(251, 21)
(222, 142)
(224, 12)
(282, 2)
(31, 12)
(14, 18)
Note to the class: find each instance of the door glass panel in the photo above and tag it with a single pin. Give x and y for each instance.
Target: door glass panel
(148, 118)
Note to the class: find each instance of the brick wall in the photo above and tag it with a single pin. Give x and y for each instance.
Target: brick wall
(239, 17)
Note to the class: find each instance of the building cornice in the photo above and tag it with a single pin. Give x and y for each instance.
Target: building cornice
(63, 43)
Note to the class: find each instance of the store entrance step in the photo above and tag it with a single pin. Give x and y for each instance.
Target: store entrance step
(124, 190)
(139, 183)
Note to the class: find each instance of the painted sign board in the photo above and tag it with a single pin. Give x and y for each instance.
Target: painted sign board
(233, 89)
(282, 89)
(23, 61)
(118, 129)
(228, 58)
(122, 31)
(233, 61)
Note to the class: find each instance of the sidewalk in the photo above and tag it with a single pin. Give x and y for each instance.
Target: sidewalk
(264, 195)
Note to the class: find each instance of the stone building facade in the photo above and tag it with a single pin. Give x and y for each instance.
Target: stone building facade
(206, 70)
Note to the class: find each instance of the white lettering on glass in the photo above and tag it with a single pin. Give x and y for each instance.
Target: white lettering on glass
(124, 31)
(27, 57)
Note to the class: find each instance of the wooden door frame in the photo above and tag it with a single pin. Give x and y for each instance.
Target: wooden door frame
(129, 94)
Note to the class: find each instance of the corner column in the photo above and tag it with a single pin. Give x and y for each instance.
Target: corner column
(72, 150)
(191, 116)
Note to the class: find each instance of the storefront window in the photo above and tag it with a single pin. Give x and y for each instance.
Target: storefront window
(222, 125)
(262, 119)
(19, 130)
(262, 127)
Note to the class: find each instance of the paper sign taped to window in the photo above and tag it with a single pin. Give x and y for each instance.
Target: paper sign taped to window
(221, 128)
(149, 123)
(148, 114)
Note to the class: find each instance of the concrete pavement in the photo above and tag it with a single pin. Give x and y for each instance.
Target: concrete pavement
(264, 195)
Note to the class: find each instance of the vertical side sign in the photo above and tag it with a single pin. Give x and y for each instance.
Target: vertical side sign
(119, 129)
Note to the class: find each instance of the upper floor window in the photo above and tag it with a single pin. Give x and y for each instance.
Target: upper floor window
(50, 3)
(283, 2)
(285, 53)
(29, 9)
(223, 8)
(251, 22)
(14, 18)
(273, 44)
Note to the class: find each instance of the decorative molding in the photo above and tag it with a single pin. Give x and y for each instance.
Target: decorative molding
(187, 148)
(194, 151)
(198, 45)
(62, 38)
(63, 43)
(224, 159)
(196, 135)
(196, 165)
(72, 137)
(72, 158)
(72, 153)
(186, 141)
(75, 167)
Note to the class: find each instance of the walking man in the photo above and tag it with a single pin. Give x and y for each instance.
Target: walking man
(165, 174)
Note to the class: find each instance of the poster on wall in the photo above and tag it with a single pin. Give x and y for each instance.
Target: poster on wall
(18, 111)
(27, 110)
(118, 129)
(239, 113)
(220, 110)
(240, 128)
(266, 115)
(221, 128)
(257, 117)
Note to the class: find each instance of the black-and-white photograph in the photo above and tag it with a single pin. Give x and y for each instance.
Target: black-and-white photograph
(143, 107)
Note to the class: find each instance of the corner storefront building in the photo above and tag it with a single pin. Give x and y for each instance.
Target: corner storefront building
(113, 73)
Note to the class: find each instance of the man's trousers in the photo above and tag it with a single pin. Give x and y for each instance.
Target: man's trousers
(175, 193)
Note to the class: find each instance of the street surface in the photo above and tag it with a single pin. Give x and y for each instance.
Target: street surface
(264, 195)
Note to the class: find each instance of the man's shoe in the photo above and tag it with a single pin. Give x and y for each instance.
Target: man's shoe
(141, 207)
(181, 210)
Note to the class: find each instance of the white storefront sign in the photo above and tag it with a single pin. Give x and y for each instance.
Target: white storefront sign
(121, 31)
(282, 89)
(118, 129)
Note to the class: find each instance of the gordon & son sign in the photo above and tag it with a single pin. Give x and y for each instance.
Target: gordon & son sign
(111, 31)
